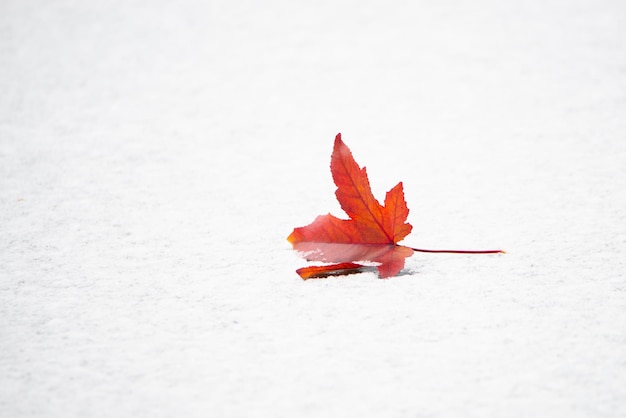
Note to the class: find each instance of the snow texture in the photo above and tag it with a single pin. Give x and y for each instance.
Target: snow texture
(155, 156)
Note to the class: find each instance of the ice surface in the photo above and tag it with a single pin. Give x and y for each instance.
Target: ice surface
(154, 156)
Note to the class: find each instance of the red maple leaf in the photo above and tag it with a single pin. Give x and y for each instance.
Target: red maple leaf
(371, 234)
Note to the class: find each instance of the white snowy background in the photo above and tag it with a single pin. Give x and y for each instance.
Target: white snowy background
(154, 156)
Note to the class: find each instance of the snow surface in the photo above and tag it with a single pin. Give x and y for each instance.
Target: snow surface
(155, 156)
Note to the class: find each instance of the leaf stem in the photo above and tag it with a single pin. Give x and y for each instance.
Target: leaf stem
(460, 251)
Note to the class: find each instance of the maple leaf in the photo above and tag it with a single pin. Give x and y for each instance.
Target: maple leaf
(372, 231)
(371, 234)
